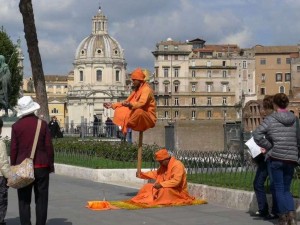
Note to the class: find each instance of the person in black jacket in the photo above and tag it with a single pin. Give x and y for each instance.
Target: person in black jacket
(54, 127)
(262, 173)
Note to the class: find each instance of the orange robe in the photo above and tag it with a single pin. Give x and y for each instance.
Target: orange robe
(174, 190)
(142, 116)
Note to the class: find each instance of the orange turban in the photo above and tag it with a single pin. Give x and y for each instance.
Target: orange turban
(162, 154)
(137, 74)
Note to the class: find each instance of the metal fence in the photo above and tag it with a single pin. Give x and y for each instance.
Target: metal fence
(90, 130)
(228, 168)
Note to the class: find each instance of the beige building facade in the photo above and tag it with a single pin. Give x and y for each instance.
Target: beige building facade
(273, 69)
(195, 81)
(57, 89)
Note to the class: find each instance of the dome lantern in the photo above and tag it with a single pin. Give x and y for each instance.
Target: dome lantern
(99, 23)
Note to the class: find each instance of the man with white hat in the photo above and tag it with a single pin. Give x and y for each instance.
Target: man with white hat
(22, 137)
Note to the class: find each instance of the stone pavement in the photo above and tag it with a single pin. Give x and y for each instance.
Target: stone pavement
(68, 197)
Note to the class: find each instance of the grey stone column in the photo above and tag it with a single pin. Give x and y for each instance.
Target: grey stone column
(170, 136)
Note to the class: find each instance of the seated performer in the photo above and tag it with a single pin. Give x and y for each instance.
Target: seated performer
(138, 111)
(170, 187)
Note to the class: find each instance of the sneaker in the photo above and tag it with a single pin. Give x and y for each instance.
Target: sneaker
(261, 214)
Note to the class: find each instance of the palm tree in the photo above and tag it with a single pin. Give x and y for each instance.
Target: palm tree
(26, 10)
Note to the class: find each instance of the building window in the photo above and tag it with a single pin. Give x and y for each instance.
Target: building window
(176, 72)
(166, 114)
(193, 87)
(80, 75)
(263, 61)
(176, 102)
(224, 87)
(224, 102)
(281, 89)
(175, 57)
(209, 88)
(176, 87)
(278, 77)
(193, 73)
(288, 60)
(209, 73)
(54, 110)
(117, 75)
(263, 78)
(165, 47)
(176, 114)
(99, 75)
(263, 91)
(176, 47)
(298, 68)
(166, 88)
(224, 63)
(209, 101)
(165, 57)
(208, 64)
(166, 101)
(166, 72)
(224, 114)
(193, 114)
(287, 77)
(208, 114)
(244, 64)
(193, 101)
(224, 73)
(278, 60)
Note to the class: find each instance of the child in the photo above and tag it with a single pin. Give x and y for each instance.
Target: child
(4, 174)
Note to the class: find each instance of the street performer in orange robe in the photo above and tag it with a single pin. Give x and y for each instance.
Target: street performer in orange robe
(138, 111)
(170, 187)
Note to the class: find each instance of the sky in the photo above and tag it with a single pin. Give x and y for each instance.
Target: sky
(138, 25)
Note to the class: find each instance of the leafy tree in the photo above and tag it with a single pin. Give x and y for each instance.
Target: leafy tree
(26, 10)
(10, 52)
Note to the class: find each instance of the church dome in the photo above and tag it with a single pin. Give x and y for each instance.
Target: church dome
(99, 45)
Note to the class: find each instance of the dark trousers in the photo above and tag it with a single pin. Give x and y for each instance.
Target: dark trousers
(3, 199)
(282, 173)
(41, 192)
(259, 187)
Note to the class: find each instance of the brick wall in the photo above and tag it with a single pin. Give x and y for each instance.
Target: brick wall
(202, 135)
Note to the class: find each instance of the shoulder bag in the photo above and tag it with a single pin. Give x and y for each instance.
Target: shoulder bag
(23, 174)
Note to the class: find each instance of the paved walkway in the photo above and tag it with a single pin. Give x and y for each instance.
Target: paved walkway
(68, 197)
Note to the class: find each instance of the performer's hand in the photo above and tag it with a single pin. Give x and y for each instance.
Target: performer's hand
(107, 105)
(157, 186)
(127, 104)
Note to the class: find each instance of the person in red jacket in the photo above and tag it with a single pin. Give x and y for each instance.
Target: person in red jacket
(22, 137)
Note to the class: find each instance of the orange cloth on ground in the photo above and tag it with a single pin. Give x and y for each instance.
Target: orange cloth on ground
(142, 116)
(174, 190)
(100, 205)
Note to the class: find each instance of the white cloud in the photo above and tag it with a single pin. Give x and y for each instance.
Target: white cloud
(138, 25)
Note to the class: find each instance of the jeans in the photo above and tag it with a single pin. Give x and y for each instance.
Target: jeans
(262, 173)
(259, 187)
(282, 174)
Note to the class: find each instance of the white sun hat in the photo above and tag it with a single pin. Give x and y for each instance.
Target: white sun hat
(26, 106)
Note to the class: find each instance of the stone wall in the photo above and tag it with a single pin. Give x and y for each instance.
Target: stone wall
(202, 135)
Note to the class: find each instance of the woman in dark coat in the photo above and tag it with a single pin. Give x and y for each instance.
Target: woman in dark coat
(22, 137)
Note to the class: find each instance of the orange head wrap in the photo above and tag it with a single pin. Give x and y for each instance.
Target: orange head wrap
(162, 154)
(137, 74)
